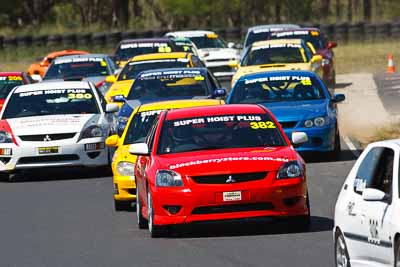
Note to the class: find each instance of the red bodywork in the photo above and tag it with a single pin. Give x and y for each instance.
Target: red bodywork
(263, 197)
(23, 75)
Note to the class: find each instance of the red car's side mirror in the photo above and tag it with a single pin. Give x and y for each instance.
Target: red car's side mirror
(331, 45)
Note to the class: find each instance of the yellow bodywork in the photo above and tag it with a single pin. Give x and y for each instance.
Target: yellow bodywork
(125, 186)
(311, 65)
(122, 86)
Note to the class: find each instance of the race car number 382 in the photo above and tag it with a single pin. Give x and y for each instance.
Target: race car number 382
(232, 196)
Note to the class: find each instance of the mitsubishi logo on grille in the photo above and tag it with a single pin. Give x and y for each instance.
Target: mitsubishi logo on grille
(230, 179)
(47, 138)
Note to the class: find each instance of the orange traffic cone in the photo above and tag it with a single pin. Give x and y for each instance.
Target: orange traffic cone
(390, 67)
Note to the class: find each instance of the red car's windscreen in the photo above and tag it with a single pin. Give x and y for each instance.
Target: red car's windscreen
(219, 132)
(7, 83)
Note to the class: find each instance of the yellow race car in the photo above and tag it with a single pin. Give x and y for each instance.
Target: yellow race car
(136, 130)
(283, 54)
(122, 83)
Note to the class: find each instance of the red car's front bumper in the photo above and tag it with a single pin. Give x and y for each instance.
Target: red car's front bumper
(200, 202)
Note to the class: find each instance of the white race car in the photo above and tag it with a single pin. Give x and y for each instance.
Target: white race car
(367, 214)
(263, 32)
(213, 52)
(55, 124)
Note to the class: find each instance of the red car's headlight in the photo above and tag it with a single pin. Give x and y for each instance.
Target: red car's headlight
(168, 178)
(291, 169)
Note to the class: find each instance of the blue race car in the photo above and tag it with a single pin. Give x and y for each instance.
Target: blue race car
(299, 100)
(167, 84)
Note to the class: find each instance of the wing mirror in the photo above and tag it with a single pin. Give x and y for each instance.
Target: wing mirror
(299, 138)
(118, 98)
(316, 58)
(331, 45)
(371, 194)
(111, 79)
(231, 45)
(139, 149)
(112, 108)
(221, 92)
(112, 141)
(338, 98)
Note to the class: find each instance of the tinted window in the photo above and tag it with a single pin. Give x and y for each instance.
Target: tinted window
(50, 102)
(313, 37)
(376, 171)
(218, 132)
(207, 42)
(172, 85)
(276, 89)
(130, 50)
(7, 83)
(140, 126)
(275, 54)
(132, 69)
(77, 67)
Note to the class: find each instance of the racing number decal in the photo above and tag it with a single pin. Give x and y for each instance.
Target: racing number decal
(306, 82)
(262, 125)
(80, 96)
(373, 232)
(14, 78)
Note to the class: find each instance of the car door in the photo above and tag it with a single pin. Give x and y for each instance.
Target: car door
(376, 216)
(143, 162)
(350, 203)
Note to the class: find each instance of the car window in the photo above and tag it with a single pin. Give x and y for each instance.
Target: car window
(169, 84)
(50, 102)
(376, 171)
(275, 54)
(151, 135)
(103, 102)
(7, 83)
(140, 126)
(219, 132)
(64, 68)
(133, 68)
(277, 89)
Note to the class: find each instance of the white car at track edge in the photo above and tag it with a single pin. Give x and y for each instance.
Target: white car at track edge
(213, 51)
(367, 213)
(53, 125)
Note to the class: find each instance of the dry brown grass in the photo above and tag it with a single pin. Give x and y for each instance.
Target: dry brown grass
(365, 56)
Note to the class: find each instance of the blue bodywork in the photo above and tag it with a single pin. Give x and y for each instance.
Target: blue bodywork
(292, 115)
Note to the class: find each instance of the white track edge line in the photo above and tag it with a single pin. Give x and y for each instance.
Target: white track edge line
(351, 146)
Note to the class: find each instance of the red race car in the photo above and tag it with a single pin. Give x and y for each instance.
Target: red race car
(8, 80)
(218, 163)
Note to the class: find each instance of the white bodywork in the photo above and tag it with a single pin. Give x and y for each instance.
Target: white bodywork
(216, 59)
(34, 134)
(371, 227)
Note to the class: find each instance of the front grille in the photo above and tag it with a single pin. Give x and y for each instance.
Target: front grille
(220, 69)
(47, 159)
(46, 137)
(229, 178)
(288, 124)
(216, 60)
(5, 160)
(132, 191)
(233, 208)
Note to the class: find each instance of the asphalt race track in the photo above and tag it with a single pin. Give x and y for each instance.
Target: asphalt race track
(65, 218)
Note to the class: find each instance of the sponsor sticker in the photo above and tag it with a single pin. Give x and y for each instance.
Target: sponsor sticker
(232, 196)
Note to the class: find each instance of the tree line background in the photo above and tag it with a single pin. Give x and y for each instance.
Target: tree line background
(60, 16)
